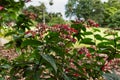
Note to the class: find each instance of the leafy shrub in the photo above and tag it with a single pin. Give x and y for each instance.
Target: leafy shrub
(48, 52)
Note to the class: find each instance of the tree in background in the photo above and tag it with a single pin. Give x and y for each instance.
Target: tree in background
(45, 17)
(112, 8)
(101, 12)
(85, 9)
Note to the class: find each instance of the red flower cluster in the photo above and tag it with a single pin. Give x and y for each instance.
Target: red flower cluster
(62, 28)
(85, 51)
(41, 29)
(92, 23)
(109, 65)
(1, 8)
(65, 31)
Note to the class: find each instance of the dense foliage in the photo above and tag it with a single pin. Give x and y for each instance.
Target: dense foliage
(97, 10)
(49, 52)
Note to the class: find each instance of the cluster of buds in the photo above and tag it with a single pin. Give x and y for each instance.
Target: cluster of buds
(40, 30)
(92, 23)
(85, 51)
(1, 8)
(112, 64)
(65, 31)
(62, 28)
(31, 15)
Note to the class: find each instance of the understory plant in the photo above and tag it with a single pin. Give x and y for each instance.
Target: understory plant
(49, 52)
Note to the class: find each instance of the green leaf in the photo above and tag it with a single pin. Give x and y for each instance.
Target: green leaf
(87, 41)
(117, 39)
(118, 46)
(10, 33)
(88, 33)
(98, 37)
(9, 44)
(117, 56)
(96, 30)
(49, 59)
(31, 43)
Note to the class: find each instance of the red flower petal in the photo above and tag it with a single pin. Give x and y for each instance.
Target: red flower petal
(1, 7)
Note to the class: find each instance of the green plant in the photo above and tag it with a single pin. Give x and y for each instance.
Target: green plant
(48, 52)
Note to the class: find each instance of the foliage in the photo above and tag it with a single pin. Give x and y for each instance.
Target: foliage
(101, 12)
(48, 52)
(41, 14)
(114, 20)
(111, 7)
(85, 9)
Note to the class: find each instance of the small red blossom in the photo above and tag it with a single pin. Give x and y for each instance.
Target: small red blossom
(76, 75)
(1, 7)
(73, 40)
(65, 27)
(73, 30)
(66, 70)
(97, 25)
(88, 55)
(80, 52)
(103, 68)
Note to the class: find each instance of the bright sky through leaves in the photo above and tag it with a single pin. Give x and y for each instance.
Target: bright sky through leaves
(58, 6)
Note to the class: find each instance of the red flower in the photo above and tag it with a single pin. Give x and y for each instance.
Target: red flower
(73, 30)
(73, 40)
(76, 75)
(80, 52)
(88, 55)
(103, 68)
(66, 70)
(1, 7)
(97, 25)
(65, 27)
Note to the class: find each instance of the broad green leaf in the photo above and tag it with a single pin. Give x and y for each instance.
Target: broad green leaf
(98, 37)
(31, 42)
(87, 41)
(96, 30)
(49, 59)
(117, 56)
(88, 33)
